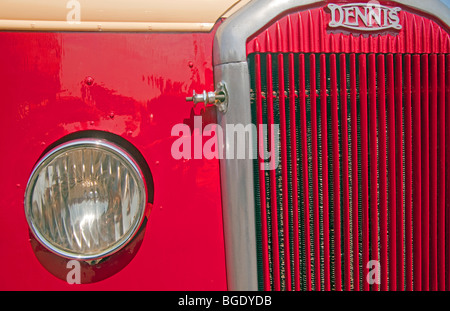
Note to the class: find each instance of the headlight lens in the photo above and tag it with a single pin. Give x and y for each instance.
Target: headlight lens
(85, 199)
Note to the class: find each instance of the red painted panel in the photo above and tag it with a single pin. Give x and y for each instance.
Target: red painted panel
(138, 92)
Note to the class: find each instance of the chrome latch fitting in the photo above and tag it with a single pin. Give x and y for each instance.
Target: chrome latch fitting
(219, 97)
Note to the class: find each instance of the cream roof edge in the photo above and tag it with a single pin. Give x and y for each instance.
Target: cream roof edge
(114, 15)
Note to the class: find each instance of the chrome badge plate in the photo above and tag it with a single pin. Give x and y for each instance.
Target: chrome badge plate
(364, 16)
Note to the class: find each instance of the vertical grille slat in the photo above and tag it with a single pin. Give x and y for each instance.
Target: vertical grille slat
(447, 171)
(399, 149)
(305, 169)
(417, 174)
(324, 150)
(383, 169)
(408, 175)
(345, 171)
(273, 185)
(364, 166)
(315, 171)
(355, 177)
(441, 173)
(433, 172)
(262, 183)
(425, 148)
(392, 200)
(293, 142)
(373, 133)
(284, 171)
(336, 173)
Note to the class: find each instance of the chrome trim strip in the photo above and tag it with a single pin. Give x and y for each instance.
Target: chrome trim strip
(230, 66)
(237, 184)
(25, 25)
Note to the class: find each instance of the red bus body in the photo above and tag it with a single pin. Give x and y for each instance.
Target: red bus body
(131, 88)
(140, 82)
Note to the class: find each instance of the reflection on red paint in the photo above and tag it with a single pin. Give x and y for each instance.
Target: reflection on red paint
(133, 85)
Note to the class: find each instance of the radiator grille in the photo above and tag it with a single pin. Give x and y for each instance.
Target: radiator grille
(363, 170)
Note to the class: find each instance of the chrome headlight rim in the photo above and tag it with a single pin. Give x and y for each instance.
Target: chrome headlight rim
(105, 145)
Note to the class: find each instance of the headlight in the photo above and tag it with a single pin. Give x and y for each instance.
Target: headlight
(85, 199)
